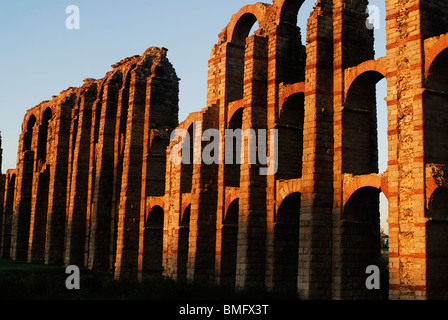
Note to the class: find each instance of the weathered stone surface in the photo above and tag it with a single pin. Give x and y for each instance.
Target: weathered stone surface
(95, 185)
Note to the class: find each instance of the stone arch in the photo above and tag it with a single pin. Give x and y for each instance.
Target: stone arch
(187, 166)
(236, 33)
(241, 23)
(435, 100)
(290, 126)
(359, 182)
(156, 201)
(287, 11)
(28, 128)
(288, 91)
(436, 244)
(233, 108)
(229, 243)
(437, 203)
(431, 54)
(10, 176)
(186, 201)
(8, 213)
(153, 242)
(431, 186)
(46, 113)
(232, 170)
(29, 117)
(288, 188)
(360, 240)
(154, 217)
(291, 60)
(234, 195)
(377, 70)
(156, 165)
(188, 122)
(183, 242)
(360, 147)
(42, 143)
(286, 242)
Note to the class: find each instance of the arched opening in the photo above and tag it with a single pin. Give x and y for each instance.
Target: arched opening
(7, 219)
(28, 136)
(153, 243)
(360, 126)
(39, 218)
(186, 182)
(157, 167)
(236, 50)
(435, 117)
(433, 22)
(437, 245)
(232, 170)
(229, 244)
(244, 28)
(286, 242)
(121, 115)
(290, 137)
(254, 28)
(183, 243)
(43, 136)
(291, 59)
(361, 246)
(292, 11)
(435, 112)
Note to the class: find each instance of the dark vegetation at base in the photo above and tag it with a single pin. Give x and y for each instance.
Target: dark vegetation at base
(23, 281)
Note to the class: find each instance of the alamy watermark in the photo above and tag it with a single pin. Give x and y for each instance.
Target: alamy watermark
(373, 280)
(73, 280)
(240, 147)
(73, 21)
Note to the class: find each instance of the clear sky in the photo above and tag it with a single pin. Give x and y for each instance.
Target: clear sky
(40, 57)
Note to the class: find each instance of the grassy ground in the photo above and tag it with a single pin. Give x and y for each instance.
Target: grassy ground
(22, 281)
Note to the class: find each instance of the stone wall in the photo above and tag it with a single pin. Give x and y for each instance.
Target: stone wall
(96, 184)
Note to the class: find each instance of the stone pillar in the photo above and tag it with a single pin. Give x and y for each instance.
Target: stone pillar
(24, 181)
(251, 250)
(317, 197)
(150, 107)
(172, 216)
(93, 155)
(225, 89)
(286, 66)
(201, 265)
(408, 23)
(57, 189)
(78, 191)
(161, 108)
(100, 219)
(38, 224)
(10, 183)
(126, 265)
(354, 153)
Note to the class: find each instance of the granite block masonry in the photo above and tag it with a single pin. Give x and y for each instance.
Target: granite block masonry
(95, 187)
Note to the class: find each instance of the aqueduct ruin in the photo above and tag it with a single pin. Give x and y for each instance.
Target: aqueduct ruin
(95, 186)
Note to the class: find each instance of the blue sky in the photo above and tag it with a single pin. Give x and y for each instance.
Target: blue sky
(40, 57)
